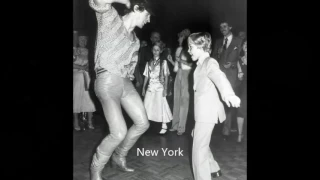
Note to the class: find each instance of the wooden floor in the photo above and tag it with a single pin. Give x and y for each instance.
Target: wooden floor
(230, 155)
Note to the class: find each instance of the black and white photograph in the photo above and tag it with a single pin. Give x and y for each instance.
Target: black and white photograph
(159, 90)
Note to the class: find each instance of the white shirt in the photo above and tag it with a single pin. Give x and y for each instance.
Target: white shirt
(229, 39)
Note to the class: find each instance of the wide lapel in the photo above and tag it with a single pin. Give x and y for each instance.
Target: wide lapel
(231, 46)
(199, 72)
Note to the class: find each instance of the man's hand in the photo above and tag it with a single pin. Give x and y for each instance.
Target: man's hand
(240, 76)
(143, 92)
(233, 100)
(85, 67)
(125, 2)
(164, 93)
(192, 132)
(220, 50)
(227, 65)
(128, 4)
(137, 84)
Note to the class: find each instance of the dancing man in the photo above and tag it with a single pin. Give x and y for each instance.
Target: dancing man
(116, 55)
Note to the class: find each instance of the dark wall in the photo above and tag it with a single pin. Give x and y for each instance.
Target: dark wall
(175, 15)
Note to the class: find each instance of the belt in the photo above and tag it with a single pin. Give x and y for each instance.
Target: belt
(100, 70)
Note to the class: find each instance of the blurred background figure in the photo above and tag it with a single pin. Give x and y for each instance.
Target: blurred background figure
(82, 101)
(242, 75)
(226, 52)
(182, 83)
(242, 35)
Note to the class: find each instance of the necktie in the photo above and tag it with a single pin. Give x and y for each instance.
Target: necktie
(225, 43)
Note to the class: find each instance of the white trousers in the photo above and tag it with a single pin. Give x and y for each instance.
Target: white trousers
(203, 163)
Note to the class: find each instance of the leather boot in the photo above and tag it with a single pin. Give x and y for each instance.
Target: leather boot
(120, 162)
(98, 162)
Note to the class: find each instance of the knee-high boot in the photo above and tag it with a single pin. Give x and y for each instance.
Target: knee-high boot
(98, 162)
(120, 161)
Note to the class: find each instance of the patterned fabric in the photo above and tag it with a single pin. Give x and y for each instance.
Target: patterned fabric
(82, 101)
(154, 75)
(116, 49)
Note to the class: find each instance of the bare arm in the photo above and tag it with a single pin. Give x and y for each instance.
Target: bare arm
(239, 67)
(176, 66)
(165, 85)
(146, 78)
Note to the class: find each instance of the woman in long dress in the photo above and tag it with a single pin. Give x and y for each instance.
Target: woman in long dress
(242, 75)
(82, 101)
(183, 67)
(155, 102)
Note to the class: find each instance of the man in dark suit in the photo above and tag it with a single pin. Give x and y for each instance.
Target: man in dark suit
(226, 52)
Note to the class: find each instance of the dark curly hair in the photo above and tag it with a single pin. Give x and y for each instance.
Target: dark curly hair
(143, 5)
(242, 43)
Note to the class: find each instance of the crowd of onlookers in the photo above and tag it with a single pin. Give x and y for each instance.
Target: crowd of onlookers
(164, 78)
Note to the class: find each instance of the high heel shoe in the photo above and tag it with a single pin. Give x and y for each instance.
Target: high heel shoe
(77, 129)
(163, 131)
(90, 126)
(121, 163)
(179, 133)
(240, 137)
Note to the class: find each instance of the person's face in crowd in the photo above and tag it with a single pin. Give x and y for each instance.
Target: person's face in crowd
(244, 47)
(143, 18)
(143, 43)
(82, 42)
(225, 29)
(194, 51)
(242, 35)
(156, 51)
(155, 37)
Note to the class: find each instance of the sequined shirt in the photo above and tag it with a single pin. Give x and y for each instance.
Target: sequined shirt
(115, 51)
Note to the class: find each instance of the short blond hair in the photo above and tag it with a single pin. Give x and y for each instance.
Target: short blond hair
(201, 40)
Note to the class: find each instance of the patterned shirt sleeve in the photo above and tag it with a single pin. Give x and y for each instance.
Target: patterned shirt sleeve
(99, 9)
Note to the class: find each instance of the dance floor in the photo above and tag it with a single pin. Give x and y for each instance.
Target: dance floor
(230, 155)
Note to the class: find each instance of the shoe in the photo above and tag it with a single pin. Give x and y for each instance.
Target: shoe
(179, 133)
(98, 162)
(240, 137)
(172, 129)
(77, 129)
(90, 126)
(120, 162)
(163, 131)
(216, 174)
(233, 130)
(226, 137)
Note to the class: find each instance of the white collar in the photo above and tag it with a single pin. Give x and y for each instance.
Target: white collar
(203, 57)
(228, 37)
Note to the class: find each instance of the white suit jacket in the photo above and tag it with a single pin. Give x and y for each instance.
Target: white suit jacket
(207, 79)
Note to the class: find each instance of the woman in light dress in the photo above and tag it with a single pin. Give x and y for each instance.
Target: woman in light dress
(156, 75)
(82, 101)
(182, 84)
